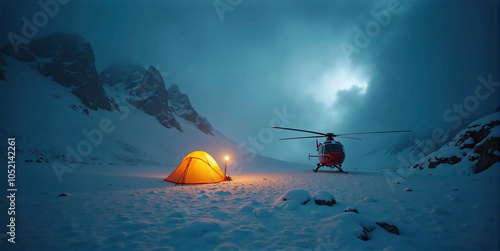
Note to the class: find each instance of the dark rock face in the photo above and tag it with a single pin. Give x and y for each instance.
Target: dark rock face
(390, 228)
(485, 149)
(2, 72)
(69, 60)
(325, 202)
(449, 160)
(351, 209)
(23, 54)
(364, 235)
(128, 75)
(182, 107)
(478, 143)
(152, 97)
(145, 90)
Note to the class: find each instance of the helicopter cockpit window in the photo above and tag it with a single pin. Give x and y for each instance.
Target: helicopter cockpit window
(334, 148)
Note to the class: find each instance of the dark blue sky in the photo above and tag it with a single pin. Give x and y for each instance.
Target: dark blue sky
(275, 55)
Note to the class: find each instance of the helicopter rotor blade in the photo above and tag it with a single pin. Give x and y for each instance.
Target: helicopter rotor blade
(298, 130)
(372, 132)
(308, 137)
(349, 137)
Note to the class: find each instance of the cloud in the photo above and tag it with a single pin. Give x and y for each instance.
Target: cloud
(268, 55)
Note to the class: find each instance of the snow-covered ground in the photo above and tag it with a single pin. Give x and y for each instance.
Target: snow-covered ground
(129, 208)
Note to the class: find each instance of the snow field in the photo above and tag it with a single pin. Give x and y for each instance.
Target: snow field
(440, 213)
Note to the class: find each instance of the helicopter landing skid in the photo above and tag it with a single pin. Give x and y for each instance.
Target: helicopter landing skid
(335, 166)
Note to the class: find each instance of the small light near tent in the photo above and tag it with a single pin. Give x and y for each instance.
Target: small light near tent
(225, 168)
(225, 165)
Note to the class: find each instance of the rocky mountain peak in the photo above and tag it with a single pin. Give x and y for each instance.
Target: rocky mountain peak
(69, 60)
(182, 107)
(129, 75)
(145, 89)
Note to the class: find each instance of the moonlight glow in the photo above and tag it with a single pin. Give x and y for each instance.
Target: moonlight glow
(340, 79)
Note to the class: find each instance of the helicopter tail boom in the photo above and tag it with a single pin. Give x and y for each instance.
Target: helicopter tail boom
(314, 156)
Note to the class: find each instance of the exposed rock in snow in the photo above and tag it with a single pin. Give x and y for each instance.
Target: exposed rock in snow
(476, 148)
(324, 198)
(390, 228)
(351, 209)
(349, 224)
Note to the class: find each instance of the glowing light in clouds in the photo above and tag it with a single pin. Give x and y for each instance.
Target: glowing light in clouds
(339, 79)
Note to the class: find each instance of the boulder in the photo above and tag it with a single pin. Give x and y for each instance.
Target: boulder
(390, 228)
(324, 198)
(351, 209)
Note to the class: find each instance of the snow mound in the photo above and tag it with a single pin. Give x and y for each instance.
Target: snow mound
(293, 198)
(298, 194)
(261, 212)
(348, 226)
(246, 209)
(324, 198)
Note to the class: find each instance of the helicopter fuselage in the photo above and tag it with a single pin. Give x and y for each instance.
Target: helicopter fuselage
(331, 153)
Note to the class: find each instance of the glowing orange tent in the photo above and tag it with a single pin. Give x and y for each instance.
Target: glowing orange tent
(197, 167)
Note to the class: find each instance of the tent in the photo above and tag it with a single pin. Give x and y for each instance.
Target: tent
(197, 167)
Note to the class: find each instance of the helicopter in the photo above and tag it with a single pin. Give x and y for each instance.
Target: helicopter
(331, 153)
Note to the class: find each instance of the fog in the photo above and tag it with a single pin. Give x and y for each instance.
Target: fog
(328, 66)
